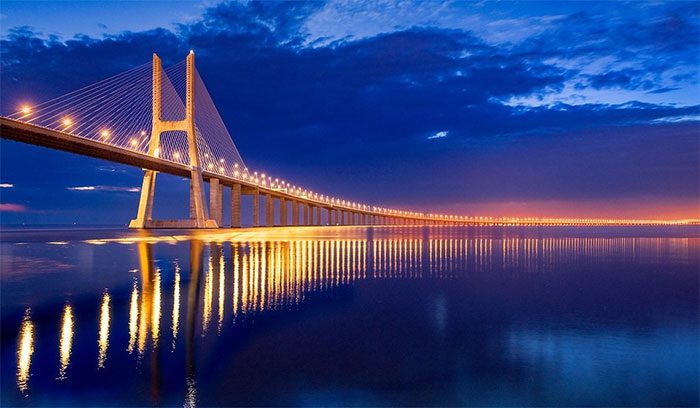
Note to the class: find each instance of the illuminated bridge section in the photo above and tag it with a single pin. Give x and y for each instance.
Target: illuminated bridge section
(136, 118)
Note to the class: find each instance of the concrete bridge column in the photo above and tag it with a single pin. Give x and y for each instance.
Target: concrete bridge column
(307, 219)
(236, 206)
(318, 215)
(193, 212)
(256, 208)
(216, 200)
(295, 212)
(269, 211)
(329, 221)
(283, 211)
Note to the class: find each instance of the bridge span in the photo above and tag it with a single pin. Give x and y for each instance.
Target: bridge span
(112, 120)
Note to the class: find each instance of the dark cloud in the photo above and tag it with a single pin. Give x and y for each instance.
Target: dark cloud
(662, 41)
(352, 118)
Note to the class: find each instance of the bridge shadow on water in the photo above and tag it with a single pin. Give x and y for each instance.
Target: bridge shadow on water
(350, 316)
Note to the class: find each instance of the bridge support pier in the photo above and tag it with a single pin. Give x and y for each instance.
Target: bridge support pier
(318, 215)
(269, 211)
(236, 206)
(295, 212)
(216, 197)
(307, 220)
(283, 211)
(256, 208)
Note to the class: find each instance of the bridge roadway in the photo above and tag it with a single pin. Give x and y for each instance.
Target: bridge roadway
(306, 210)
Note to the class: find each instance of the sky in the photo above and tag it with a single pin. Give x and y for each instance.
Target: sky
(576, 109)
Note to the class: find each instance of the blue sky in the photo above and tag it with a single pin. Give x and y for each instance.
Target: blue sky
(493, 108)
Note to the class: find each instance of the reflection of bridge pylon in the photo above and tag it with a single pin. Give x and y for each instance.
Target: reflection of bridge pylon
(199, 214)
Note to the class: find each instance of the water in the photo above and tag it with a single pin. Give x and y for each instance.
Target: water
(351, 316)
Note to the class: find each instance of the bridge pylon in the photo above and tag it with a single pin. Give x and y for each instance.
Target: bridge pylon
(199, 214)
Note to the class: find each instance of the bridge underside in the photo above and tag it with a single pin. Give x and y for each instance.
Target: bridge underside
(38, 136)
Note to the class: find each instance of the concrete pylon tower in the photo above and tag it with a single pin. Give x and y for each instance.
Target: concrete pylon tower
(199, 214)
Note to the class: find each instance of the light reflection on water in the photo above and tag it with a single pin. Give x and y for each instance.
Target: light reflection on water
(103, 337)
(25, 349)
(66, 342)
(230, 283)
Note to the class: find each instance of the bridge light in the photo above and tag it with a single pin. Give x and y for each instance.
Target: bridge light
(235, 165)
(143, 133)
(25, 109)
(67, 122)
(221, 169)
(221, 160)
(176, 155)
(104, 133)
(156, 152)
(133, 142)
(210, 166)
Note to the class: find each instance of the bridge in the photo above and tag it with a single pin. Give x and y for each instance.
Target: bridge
(164, 120)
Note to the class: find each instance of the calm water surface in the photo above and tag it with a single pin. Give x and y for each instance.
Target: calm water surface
(351, 316)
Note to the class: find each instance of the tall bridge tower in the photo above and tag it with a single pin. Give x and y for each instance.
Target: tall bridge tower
(199, 214)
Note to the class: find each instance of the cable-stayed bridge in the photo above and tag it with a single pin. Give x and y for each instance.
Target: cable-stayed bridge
(164, 120)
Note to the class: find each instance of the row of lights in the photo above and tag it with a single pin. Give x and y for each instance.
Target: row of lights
(66, 121)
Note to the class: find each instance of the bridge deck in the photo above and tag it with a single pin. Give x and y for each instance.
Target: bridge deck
(40, 136)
